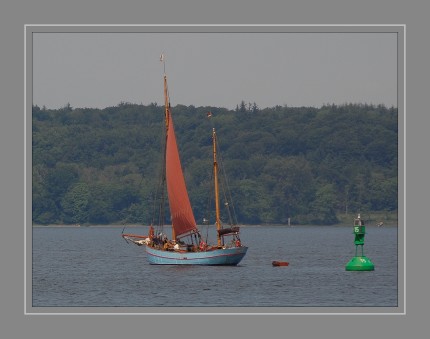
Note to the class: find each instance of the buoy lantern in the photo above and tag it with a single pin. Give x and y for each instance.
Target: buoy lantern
(359, 262)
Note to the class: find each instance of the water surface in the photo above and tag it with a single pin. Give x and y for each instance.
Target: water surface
(94, 266)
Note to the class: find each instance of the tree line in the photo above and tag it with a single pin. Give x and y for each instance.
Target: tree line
(306, 164)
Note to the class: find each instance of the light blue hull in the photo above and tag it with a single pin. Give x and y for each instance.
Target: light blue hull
(227, 256)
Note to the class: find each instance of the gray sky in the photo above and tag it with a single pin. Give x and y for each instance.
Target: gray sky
(214, 69)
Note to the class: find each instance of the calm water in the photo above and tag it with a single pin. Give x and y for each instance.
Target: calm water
(94, 266)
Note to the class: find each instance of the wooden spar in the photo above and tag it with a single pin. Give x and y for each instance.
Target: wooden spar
(166, 102)
(134, 236)
(166, 95)
(166, 119)
(217, 212)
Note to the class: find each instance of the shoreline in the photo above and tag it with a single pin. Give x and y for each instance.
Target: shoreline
(388, 224)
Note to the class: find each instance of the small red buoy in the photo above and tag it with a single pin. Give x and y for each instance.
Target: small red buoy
(280, 263)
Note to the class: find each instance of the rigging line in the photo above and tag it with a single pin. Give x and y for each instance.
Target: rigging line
(159, 184)
(224, 175)
(139, 187)
(159, 196)
(155, 198)
(224, 187)
(209, 205)
(227, 206)
(227, 203)
(162, 212)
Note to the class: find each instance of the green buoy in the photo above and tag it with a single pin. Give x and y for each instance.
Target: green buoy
(359, 262)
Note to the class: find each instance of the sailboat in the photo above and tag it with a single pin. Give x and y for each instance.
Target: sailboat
(187, 246)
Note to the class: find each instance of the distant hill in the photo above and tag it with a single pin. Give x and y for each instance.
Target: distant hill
(101, 166)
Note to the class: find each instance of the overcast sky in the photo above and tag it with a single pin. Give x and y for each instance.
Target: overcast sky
(214, 69)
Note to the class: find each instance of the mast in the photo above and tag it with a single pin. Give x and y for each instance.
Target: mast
(166, 119)
(166, 103)
(217, 212)
(166, 94)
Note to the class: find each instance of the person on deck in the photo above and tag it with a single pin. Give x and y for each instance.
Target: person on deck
(151, 232)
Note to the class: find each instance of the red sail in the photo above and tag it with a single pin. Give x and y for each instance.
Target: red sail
(180, 208)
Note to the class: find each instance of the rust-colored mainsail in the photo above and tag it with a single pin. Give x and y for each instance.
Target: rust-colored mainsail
(183, 220)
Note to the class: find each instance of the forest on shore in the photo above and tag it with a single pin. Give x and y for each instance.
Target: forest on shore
(309, 164)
